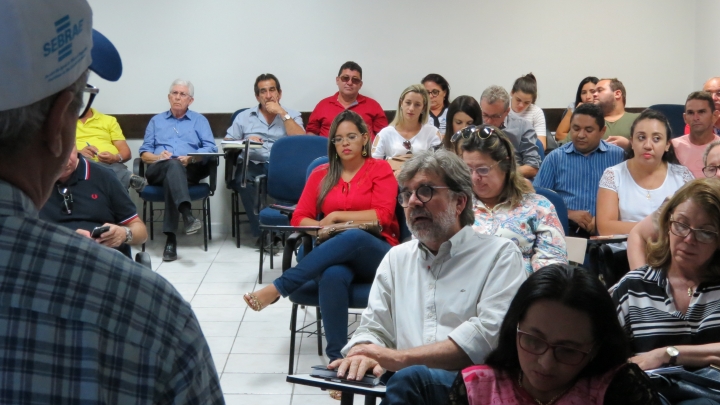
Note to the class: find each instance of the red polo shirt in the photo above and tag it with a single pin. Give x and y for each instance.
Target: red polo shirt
(328, 108)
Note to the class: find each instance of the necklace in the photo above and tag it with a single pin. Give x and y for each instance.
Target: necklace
(551, 401)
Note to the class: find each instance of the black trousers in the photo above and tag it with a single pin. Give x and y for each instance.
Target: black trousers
(174, 178)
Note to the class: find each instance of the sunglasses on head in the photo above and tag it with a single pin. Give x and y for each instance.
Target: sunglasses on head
(67, 199)
(467, 132)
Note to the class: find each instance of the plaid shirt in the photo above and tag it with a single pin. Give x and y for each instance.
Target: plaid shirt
(82, 324)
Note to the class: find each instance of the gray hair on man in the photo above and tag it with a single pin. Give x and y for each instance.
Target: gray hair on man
(186, 83)
(493, 94)
(449, 167)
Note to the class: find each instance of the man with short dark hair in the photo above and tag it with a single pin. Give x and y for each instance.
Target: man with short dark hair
(437, 302)
(266, 122)
(574, 169)
(700, 115)
(610, 96)
(79, 323)
(348, 97)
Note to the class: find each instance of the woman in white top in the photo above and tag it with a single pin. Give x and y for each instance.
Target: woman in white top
(439, 91)
(409, 131)
(636, 187)
(522, 104)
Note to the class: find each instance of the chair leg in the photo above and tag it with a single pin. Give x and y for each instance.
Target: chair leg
(293, 325)
(144, 218)
(319, 330)
(272, 251)
(204, 217)
(152, 221)
(232, 212)
(262, 252)
(237, 219)
(370, 400)
(209, 219)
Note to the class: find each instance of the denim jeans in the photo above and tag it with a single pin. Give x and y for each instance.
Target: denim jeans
(248, 195)
(352, 256)
(419, 385)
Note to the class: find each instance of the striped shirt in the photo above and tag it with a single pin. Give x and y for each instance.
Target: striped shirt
(83, 324)
(648, 314)
(575, 176)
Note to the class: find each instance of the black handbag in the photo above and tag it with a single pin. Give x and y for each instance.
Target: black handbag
(679, 384)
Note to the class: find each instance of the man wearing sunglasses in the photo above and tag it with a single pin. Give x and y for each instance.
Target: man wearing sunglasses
(79, 323)
(348, 97)
(437, 302)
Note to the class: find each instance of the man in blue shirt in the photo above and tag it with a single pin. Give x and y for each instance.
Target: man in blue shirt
(169, 138)
(266, 122)
(574, 170)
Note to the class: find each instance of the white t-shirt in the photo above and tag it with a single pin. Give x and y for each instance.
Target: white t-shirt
(534, 115)
(635, 202)
(391, 142)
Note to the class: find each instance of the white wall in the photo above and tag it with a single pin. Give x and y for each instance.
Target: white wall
(707, 57)
(223, 45)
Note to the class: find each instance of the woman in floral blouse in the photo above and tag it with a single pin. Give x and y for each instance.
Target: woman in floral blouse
(504, 203)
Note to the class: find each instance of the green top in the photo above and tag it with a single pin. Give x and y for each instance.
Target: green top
(620, 127)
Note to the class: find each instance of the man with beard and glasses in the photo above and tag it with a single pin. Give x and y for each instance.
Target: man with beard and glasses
(437, 302)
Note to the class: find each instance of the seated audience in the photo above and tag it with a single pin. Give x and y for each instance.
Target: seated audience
(712, 86)
(410, 131)
(503, 201)
(669, 308)
(574, 169)
(495, 107)
(89, 195)
(351, 187)
(463, 111)
(266, 122)
(610, 96)
(169, 138)
(437, 301)
(522, 105)
(700, 115)
(633, 189)
(100, 139)
(584, 94)
(439, 91)
(560, 343)
(349, 82)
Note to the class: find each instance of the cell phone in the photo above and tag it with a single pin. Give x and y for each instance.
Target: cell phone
(369, 380)
(99, 230)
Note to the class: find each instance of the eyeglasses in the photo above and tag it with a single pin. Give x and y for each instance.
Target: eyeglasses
(424, 193)
(483, 170)
(408, 146)
(88, 95)
(346, 78)
(67, 199)
(683, 230)
(179, 93)
(351, 138)
(434, 93)
(563, 354)
(710, 171)
(486, 117)
(467, 132)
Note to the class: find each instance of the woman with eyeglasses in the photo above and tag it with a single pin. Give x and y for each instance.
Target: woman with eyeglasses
(523, 96)
(351, 187)
(560, 344)
(504, 203)
(439, 91)
(584, 94)
(633, 189)
(463, 112)
(409, 132)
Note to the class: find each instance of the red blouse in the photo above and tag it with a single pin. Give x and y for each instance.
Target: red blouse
(373, 187)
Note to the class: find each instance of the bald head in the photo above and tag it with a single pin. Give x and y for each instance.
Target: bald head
(712, 86)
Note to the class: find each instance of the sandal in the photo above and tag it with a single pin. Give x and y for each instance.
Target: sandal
(254, 303)
(335, 394)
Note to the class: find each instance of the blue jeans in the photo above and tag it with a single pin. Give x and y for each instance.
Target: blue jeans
(419, 385)
(352, 256)
(248, 195)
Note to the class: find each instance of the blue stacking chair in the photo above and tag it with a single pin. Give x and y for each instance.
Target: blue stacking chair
(287, 166)
(541, 150)
(559, 204)
(308, 294)
(198, 192)
(231, 156)
(674, 114)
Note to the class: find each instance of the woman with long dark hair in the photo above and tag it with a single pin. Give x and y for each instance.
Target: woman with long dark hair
(463, 112)
(585, 92)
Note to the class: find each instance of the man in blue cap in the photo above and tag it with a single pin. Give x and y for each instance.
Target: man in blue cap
(79, 323)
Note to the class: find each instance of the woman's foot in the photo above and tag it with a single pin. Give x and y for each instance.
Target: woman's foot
(335, 394)
(260, 299)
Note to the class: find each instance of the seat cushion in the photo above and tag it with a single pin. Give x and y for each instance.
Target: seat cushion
(157, 193)
(199, 191)
(308, 295)
(270, 216)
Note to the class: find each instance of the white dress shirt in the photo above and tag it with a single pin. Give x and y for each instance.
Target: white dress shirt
(461, 293)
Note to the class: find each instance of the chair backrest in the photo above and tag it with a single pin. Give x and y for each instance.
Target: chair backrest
(289, 158)
(559, 204)
(674, 114)
(235, 114)
(405, 233)
(541, 150)
(315, 163)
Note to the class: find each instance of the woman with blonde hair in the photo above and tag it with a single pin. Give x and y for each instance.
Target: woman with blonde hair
(409, 131)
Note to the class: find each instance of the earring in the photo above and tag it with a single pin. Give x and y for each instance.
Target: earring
(337, 156)
(364, 153)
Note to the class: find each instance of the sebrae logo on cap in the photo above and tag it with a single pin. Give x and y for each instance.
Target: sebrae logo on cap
(62, 43)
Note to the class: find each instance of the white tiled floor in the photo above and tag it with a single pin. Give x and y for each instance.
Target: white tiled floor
(250, 349)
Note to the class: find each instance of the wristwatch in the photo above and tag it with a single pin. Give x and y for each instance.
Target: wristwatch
(128, 234)
(673, 352)
(119, 158)
(286, 117)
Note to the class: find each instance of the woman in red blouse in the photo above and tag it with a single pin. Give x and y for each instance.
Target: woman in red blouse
(351, 187)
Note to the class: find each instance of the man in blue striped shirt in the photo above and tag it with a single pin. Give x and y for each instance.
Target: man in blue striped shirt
(574, 170)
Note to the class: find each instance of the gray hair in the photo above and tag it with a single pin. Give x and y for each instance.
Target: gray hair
(186, 83)
(493, 94)
(18, 125)
(454, 172)
(710, 147)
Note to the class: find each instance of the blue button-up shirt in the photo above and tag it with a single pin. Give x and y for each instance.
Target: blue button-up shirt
(189, 134)
(575, 176)
(251, 122)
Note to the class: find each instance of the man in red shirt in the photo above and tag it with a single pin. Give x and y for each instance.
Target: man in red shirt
(348, 97)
